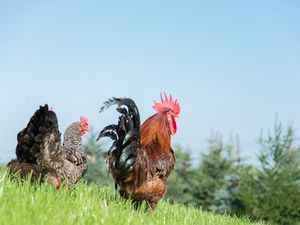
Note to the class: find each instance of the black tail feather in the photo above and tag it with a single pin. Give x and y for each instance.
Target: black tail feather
(126, 134)
(131, 135)
(30, 138)
(109, 102)
(108, 131)
(127, 158)
(133, 111)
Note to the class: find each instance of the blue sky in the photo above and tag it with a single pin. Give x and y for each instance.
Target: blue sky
(231, 64)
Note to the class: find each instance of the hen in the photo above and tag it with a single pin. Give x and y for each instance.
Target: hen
(40, 153)
(141, 158)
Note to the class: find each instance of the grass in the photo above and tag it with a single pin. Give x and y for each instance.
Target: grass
(23, 203)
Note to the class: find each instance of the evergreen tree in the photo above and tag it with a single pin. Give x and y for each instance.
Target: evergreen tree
(218, 178)
(272, 192)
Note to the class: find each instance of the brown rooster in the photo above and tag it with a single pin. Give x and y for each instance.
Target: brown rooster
(141, 158)
(40, 153)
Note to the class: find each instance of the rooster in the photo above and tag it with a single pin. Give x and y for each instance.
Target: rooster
(141, 158)
(40, 153)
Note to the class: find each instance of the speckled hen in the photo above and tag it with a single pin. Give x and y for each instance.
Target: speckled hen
(40, 153)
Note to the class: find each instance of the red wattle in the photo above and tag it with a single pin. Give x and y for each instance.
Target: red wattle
(172, 124)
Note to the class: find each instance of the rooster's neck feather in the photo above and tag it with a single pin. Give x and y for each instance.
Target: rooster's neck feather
(155, 130)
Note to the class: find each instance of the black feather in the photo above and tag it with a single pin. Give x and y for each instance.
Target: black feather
(122, 110)
(108, 131)
(30, 138)
(132, 134)
(108, 103)
(126, 134)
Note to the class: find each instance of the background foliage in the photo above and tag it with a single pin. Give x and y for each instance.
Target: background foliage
(223, 183)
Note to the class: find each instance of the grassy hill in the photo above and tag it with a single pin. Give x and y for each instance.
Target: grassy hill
(90, 204)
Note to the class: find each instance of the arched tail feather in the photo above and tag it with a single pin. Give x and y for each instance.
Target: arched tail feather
(126, 134)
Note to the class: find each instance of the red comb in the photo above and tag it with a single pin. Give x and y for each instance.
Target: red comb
(167, 104)
(84, 125)
(83, 119)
